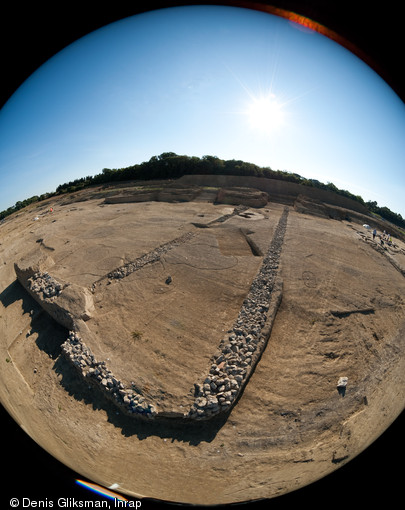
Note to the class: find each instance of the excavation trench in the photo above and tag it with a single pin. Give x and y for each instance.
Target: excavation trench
(231, 366)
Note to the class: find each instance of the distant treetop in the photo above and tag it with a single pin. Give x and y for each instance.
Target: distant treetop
(170, 165)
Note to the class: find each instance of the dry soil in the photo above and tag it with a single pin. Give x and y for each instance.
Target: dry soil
(342, 315)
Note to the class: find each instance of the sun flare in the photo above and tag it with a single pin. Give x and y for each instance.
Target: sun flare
(266, 114)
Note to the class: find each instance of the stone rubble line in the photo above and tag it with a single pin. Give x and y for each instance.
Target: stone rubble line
(154, 255)
(229, 372)
(44, 284)
(97, 373)
(240, 351)
(237, 210)
(148, 258)
(231, 367)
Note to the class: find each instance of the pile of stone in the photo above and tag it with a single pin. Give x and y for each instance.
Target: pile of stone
(148, 258)
(242, 348)
(97, 373)
(231, 367)
(45, 286)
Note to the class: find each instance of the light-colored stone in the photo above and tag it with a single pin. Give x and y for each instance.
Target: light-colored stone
(342, 382)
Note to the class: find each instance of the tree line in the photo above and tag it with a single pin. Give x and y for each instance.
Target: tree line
(173, 166)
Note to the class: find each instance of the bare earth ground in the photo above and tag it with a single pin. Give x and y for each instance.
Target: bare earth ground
(342, 314)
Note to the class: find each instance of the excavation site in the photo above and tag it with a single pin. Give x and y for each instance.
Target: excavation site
(206, 340)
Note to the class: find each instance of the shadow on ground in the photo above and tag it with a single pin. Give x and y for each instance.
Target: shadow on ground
(16, 292)
(50, 337)
(190, 432)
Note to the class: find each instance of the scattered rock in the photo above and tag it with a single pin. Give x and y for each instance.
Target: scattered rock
(342, 382)
(341, 386)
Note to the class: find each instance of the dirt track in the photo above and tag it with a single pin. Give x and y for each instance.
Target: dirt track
(342, 314)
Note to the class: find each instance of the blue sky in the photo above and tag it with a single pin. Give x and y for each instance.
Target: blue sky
(205, 80)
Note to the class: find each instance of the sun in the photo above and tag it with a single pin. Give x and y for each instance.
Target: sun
(266, 114)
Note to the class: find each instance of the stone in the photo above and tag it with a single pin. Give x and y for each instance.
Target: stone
(342, 382)
(198, 389)
(230, 364)
(201, 402)
(212, 403)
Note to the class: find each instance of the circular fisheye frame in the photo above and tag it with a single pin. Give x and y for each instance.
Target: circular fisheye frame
(202, 278)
